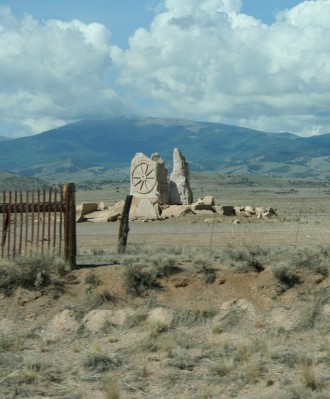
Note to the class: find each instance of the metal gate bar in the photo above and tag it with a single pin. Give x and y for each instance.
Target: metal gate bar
(34, 221)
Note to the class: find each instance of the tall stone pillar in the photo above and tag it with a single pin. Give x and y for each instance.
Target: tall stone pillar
(180, 191)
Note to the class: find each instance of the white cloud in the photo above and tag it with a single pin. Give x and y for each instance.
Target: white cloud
(199, 59)
(206, 60)
(53, 72)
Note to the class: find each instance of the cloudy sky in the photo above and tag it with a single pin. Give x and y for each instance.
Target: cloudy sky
(263, 64)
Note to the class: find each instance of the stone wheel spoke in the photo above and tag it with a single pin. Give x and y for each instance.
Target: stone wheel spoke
(144, 178)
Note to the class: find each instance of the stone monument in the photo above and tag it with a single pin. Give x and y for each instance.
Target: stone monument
(149, 178)
(180, 191)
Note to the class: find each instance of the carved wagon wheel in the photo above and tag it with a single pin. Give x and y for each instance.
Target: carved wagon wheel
(144, 178)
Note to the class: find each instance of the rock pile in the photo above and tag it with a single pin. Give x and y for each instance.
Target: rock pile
(146, 209)
(256, 211)
(156, 198)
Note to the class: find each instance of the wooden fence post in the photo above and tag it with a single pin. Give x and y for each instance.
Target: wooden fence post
(70, 240)
(123, 227)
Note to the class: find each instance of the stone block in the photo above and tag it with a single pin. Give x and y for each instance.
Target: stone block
(208, 200)
(107, 215)
(226, 210)
(84, 209)
(176, 211)
(146, 210)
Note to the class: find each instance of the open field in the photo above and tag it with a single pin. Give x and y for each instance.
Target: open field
(193, 309)
(302, 206)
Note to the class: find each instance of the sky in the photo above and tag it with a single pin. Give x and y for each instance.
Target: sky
(262, 64)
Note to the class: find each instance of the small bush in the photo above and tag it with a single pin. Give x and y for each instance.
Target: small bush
(97, 251)
(237, 254)
(209, 276)
(202, 263)
(217, 329)
(312, 315)
(190, 317)
(247, 259)
(182, 360)
(316, 261)
(100, 363)
(12, 342)
(136, 319)
(225, 365)
(285, 275)
(165, 265)
(258, 251)
(104, 295)
(92, 279)
(34, 273)
(232, 319)
(255, 265)
(31, 363)
(148, 344)
(111, 389)
(205, 268)
(139, 279)
(308, 374)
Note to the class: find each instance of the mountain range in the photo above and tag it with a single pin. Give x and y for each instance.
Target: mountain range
(94, 147)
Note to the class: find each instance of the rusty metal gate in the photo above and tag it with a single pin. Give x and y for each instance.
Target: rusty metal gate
(39, 222)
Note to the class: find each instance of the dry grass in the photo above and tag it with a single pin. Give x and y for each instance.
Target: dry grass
(204, 349)
(32, 273)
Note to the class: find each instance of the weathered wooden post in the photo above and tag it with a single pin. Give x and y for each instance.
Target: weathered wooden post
(70, 241)
(124, 227)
